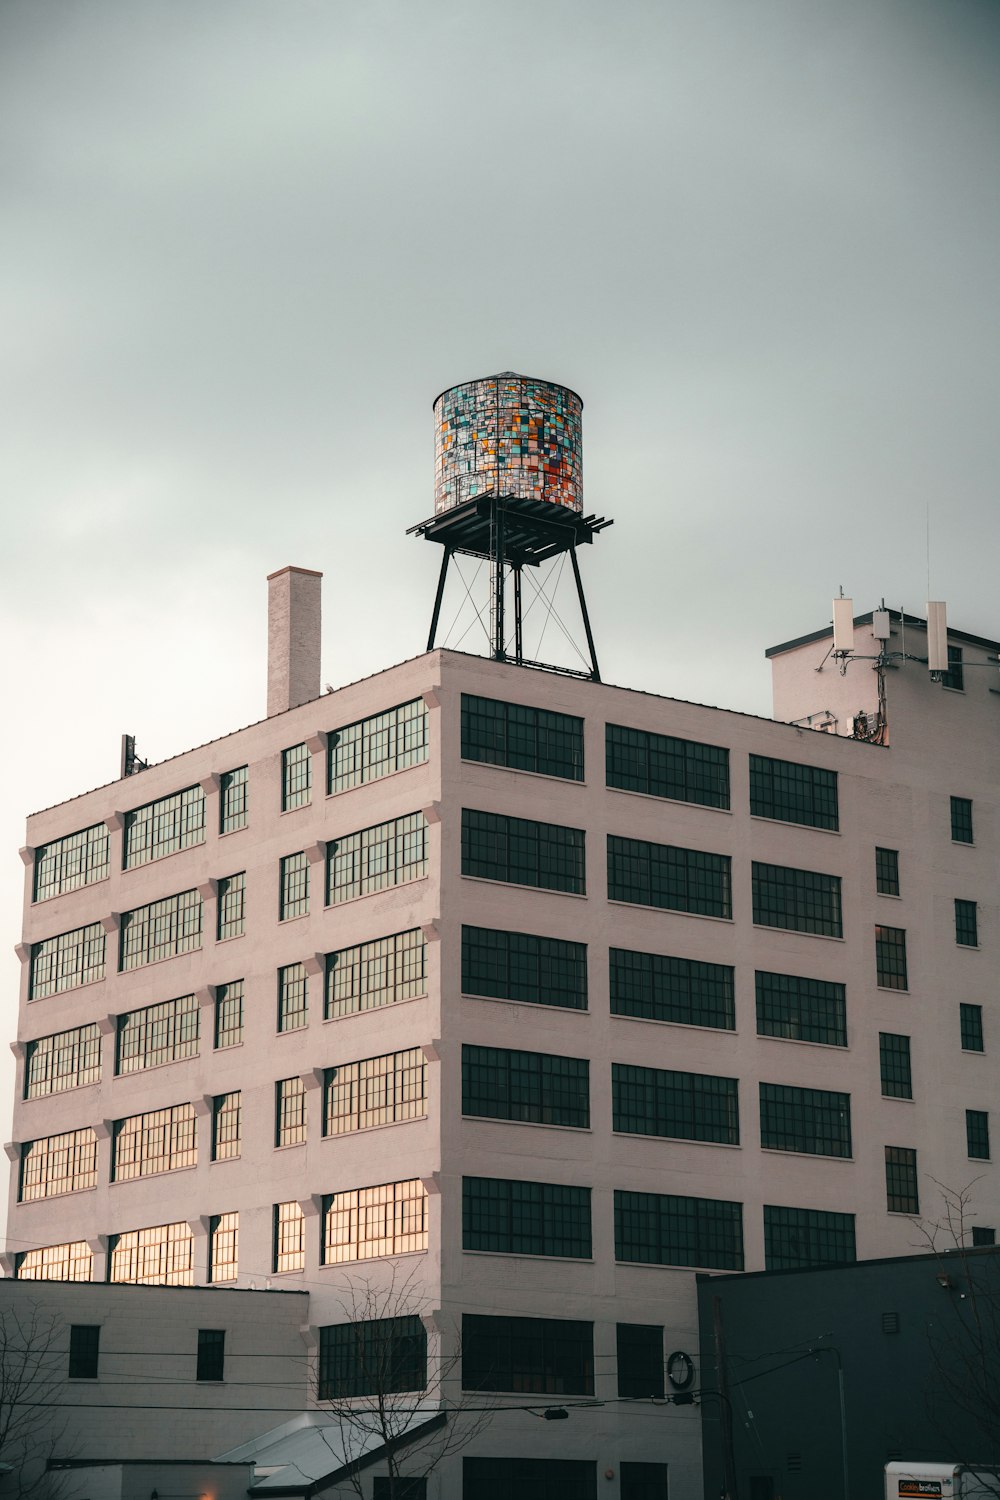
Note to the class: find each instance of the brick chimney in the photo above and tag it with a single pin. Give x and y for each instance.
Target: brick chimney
(293, 638)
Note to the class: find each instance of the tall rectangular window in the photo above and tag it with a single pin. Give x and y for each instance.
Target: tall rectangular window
(536, 1087)
(289, 1112)
(520, 852)
(800, 1009)
(550, 1356)
(373, 1357)
(378, 746)
(376, 1091)
(890, 958)
(977, 1134)
(159, 1256)
(887, 872)
(233, 802)
(232, 907)
(640, 1360)
(798, 1237)
(526, 1218)
(522, 738)
(224, 1247)
(901, 1194)
(971, 1025)
(793, 793)
(292, 997)
(658, 987)
(227, 1126)
(293, 900)
(229, 1014)
(961, 820)
(157, 1034)
(816, 1121)
(894, 1065)
(289, 1238)
(67, 961)
(70, 1262)
(68, 863)
(373, 859)
(684, 1106)
(58, 1164)
(376, 973)
(662, 766)
(296, 777)
(966, 924)
(84, 1350)
(523, 966)
(163, 1140)
(529, 1479)
(211, 1354)
(660, 1229)
(372, 1222)
(798, 900)
(954, 677)
(161, 930)
(669, 878)
(162, 827)
(66, 1060)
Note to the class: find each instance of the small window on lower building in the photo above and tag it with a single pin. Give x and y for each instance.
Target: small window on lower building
(406, 1489)
(971, 1023)
(966, 924)
(529, 1479)
(84, 1347)
(643, 1481)
(640, 1360)
(977, 1134)
(981, 1235)
(211, 1353)
(901, 1195)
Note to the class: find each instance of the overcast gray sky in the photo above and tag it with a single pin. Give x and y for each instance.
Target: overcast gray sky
(244, 243)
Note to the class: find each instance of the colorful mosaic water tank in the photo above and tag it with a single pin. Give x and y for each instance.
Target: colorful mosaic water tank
(510, 435)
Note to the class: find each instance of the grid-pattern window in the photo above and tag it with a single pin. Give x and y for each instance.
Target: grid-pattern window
(162, 827)
(375, 1091)
(516, 850)
(372, 1357)
(67, 961)
(227, 1125)
(659, 987)
(529, 1479)
(377, 973)
(211, 1354)
(525, 739)
(157, 1034)
(537, 1087)
(224, 1247)
(232, 906)
(373, 859)
(378, 746)
(164, 1140)
(970, 1018)
(289, 1112)
(890, 958)
(57, 1164)
(523, 966)
(161, 930)
(793, 793)
(67, 1060)
(296, 777)
(801, 1009)
(372, 1222)
(525, 1218)
(162, 1255)
(662, 766)
(229, 1014)
(84, 1350)
(68, 863)
(954, 677)
(550, 1356)
(894, 1065)
(660, 1229)
(640, 1360)
(684, 1106)
(799, 900)
(977, 1134)
(293, 995)
(289, 1237)
(670, 878)
(795, 1237)
(966, 924)
(901, 1194)
(887, 872)
(233, 802)
(70, 1262)
(816, 1121)
(293, 900)
(961, 820)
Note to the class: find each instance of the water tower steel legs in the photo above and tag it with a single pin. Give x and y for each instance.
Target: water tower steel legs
(445, 560)
(594, 669)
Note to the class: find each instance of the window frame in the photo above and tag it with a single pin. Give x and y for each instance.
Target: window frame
(789, 791)
(550, 740)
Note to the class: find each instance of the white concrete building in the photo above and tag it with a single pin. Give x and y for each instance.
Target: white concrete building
(534, 993)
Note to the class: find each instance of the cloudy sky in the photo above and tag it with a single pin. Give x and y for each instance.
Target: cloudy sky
(244, 243)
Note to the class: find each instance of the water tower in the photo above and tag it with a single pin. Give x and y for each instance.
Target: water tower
(508, 489)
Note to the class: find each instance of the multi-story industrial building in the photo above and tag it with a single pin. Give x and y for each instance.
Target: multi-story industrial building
(532, 994)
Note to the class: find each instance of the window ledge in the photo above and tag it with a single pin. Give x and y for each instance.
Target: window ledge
(345, 1135)
(898, 1098)
(289, 1145)
(549, 776)
(514, 885)
(227, 833)
(825, 937)
(382, 890)
(155, 1067)
(628, 791)
(233, 936)
(685, 1025)
(370, 1010)
(805, 1155)
(167, 958)
(801, 1041)
(566, 1260)
(300, 808)
(300, 916)
(338, 1265)
(677, 1140)
(159, 858)
(530, 1124)
(673, 1265)
(359, 786)
(72, 989)
(573, 1010)
(889, 895)
(968, 1051)
(969, 947)
(793, 823)
(672, 911)
(891, 989)
(44, 900)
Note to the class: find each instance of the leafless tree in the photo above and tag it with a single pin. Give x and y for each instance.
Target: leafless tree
(32, 1425)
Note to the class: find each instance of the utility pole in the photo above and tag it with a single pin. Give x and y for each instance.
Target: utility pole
(726, 1417)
